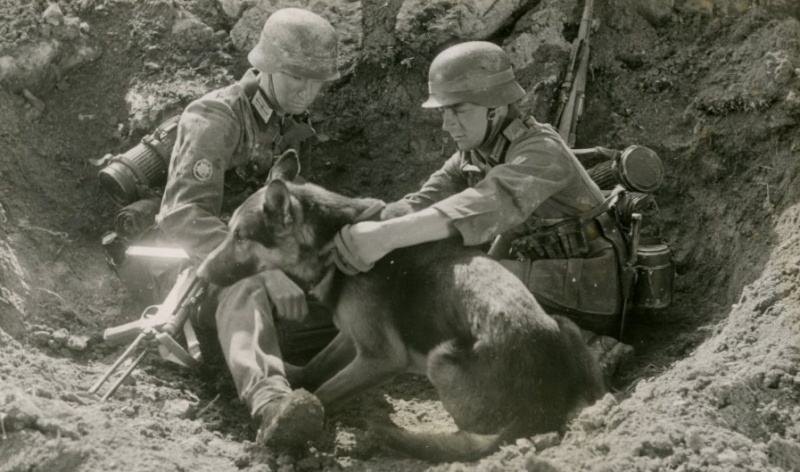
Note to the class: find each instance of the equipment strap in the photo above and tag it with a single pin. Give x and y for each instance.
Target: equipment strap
(604, 207)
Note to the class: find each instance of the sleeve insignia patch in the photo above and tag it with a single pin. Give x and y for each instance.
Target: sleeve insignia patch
(203, 170)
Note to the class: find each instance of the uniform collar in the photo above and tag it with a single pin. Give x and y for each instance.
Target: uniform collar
(259, 102)
(511, 129)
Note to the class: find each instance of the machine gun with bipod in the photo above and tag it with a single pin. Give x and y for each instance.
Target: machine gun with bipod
(159, 325)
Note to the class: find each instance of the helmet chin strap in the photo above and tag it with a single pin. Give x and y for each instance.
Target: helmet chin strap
(495, 118)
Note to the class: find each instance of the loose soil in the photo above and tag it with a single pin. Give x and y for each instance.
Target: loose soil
(712, 86)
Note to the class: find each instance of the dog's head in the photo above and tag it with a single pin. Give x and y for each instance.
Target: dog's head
(268, 231)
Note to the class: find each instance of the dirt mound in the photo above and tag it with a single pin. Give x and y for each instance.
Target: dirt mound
(713, 86)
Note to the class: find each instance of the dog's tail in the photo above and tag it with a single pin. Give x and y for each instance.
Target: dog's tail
(462, 446)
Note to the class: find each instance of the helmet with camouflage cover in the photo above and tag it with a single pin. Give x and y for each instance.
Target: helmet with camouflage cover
(297, 42)
(476, 72)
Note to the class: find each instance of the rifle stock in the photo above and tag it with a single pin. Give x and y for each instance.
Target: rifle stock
(573, 88)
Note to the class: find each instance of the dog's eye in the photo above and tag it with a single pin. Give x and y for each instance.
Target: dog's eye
(237, 237)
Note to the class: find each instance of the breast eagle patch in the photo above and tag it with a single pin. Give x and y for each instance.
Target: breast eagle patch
(203, 170)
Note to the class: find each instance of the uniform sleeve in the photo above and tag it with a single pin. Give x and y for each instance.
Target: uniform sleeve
(534, 170)
(443, 183)
(208, 133)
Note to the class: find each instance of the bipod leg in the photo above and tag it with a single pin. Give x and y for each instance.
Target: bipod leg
(124, 375)
(119, 362)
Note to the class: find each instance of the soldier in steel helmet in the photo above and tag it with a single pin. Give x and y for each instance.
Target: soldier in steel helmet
(226, 143)
(513, 181)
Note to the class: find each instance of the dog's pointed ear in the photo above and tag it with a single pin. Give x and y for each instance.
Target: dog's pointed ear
(287, 167)
(277, 204)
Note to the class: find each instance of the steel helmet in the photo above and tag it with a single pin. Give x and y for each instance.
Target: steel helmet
(299, 43)
(476, 72)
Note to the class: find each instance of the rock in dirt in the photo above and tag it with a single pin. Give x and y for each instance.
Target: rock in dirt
(72, 397)
(656, 12)
(17, 409)
(233, 8)
(425, 24)
(60, 338)
(191, 33)
(784, 454)
(179, 408)
(77, 343)
(53, 15)
(40, 338)
(42, 392)
(39, 64)
(546, 441)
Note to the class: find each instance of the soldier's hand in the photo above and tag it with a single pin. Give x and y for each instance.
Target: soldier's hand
(289, 299)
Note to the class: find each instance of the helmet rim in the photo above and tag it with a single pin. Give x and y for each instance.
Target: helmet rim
(476, 72)
(502, 94)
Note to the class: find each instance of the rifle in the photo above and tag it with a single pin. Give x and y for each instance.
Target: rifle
(573, 89)
(159, 324)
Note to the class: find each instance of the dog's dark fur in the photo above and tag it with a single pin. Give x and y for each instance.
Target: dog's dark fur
(502, 367)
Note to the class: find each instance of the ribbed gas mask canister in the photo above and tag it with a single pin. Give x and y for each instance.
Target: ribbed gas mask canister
(127, 177)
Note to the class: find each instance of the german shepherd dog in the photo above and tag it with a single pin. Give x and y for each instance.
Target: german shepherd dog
(502, 367)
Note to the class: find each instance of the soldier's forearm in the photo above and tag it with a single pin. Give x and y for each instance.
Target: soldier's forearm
(416, 228)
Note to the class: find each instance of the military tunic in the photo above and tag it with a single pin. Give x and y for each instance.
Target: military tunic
(225, 146)
(534, 184)
(219, 133)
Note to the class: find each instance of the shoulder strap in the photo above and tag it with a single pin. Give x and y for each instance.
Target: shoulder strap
(515, 130)
(604, 207)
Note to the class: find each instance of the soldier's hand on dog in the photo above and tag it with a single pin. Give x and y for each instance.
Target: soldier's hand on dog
(289, 299)
(354, 249)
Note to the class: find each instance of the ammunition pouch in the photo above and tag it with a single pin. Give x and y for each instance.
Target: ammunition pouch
(566, 240)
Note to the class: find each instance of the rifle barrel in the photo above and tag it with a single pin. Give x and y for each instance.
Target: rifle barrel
(571, 108)
(566, 86)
